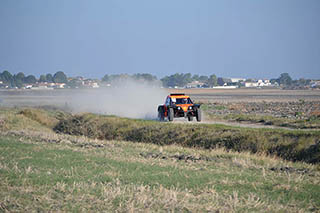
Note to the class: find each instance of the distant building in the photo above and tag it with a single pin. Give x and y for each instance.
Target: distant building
(236, 80)
(264, 83)
(59, 85)
(28, 86)
(91, 83)
(43, 85)
(195, 84)
(315, 84)
(225, 87)
(95, 85)
(251, 84)
(258, 83)
(224, 81)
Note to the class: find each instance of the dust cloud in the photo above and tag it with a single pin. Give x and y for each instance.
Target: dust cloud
(129, 98)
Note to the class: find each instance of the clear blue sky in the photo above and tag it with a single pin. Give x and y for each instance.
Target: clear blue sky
(230, 38)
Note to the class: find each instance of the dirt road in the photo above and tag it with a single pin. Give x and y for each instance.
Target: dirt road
(237, 124)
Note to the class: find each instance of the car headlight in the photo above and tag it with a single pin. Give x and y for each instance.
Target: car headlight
(179, 108)
(190, 107)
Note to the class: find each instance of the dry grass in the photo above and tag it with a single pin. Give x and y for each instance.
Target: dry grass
(230, 181)
(44, 171)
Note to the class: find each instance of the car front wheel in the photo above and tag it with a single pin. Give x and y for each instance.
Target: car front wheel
(170, 115)
(198, 115)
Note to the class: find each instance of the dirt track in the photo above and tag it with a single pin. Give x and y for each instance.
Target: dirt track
(233, 124)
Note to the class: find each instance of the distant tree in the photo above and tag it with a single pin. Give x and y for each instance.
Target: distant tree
(60, 77)
(272, 80)
(74, 83)
(144, 76)
(303, 82)
(212, 81)
(220, 81)
(30, 79)
(195, 77)
(106, 78)
(19, 79)
(249, 80)
(285, 79)
(178, 79)
(20, 76)
(42, 78)
(186, 79)
(203, 79)
(119, 78)
(7, 78)
(165, 81)
(49, 78)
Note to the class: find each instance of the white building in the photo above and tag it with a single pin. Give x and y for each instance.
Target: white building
(236, 80)
(264, 83)
(259, 83)
(195, 84)
(59, 85)
(251, 84)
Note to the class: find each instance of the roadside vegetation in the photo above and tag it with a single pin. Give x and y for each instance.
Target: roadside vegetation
(294, 145)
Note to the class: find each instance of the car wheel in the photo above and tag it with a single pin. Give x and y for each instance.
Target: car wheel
(198, 115)
(160, 115)
(170, 116)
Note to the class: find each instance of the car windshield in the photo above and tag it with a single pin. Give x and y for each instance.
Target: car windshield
(183, 101)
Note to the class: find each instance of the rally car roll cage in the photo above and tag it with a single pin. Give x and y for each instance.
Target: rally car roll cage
(179, 105)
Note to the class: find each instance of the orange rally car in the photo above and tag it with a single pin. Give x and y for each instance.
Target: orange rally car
(179, 105)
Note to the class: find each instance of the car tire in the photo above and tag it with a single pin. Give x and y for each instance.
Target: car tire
(170, 115)
(198, 115)
(160, 114)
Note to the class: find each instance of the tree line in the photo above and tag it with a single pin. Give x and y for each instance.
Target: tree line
(177, 79)
(20, 79)
(123, 77)
(181, 80)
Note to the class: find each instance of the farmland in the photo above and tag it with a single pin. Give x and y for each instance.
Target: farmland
(56, 160)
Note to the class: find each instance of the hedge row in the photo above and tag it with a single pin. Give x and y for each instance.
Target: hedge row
(290, 145)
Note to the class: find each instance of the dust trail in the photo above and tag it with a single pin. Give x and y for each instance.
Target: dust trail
(129, 98)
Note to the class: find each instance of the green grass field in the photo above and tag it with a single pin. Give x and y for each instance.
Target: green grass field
(41, 170)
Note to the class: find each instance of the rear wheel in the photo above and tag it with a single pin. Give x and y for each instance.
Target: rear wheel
(160, 114)
(190, 118)
(198, 115)
(170, 115)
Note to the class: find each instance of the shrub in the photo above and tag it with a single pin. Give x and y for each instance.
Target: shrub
(290, 145)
